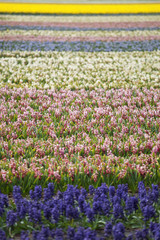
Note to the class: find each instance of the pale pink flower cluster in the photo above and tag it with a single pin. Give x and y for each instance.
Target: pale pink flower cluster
(56, 133)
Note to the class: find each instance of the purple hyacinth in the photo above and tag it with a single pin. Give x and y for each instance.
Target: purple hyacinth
(91, 189)
(3, 202)
(118, 211)
(59, 234)
(34, 213)
(11, 218)
(70, 233)
(43, 234)
(144, 202)
(90, 234)
(79, 234)
(148, 212)
(131, 204)
(47, 212)
(55, 214)
(35, 235)
(112, 192)
(76, 193)
(81, 201)
(90, 214)
(153, 227)
(2, 235)
(68, 195)
(24, 235)
(103, 188)
(130, 237)
(36, 194)
(153, 194)
(84, 192)
(48, 192)
(116, 200)
(122, 191)
(142, 234)
(72, 212)
(141, 190)
(157, 234)
(17, 194)
(118, 231)
(106, 207)
(97, 207)
(108, 229)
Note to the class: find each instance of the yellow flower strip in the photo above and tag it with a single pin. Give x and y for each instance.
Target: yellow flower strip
(79, 8)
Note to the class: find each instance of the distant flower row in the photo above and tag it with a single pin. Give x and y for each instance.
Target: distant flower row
(89, 135)
(82, 18)
(98, 33)
(78, 70)
(81, 46)
(106, 209)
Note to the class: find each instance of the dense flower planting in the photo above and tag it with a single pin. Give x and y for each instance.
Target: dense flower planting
(88, 41)
(65, 215)
(81, 18)
(68, 134)
(79, 70)
(85, 46)
(79, 127)
(72, 34)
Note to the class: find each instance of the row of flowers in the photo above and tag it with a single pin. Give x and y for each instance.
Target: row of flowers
(78, 38)
(98, 33)
(8, 26)
(81, 25)
(77, 70)
(66, 134)
(101, 213)
(81, 46)
(82, 18)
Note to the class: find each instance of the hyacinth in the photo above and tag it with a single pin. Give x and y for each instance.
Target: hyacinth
(90, 214)
(118, 211)
(93, 134)
(70, 233)
(2, 235)
(130, 237)
(24, 235)
(36, 194)
(142, 234)
(86, 209)
(108, 229)
(49, 192)
(148, 212)
(118, 231)
(17, 193)
(3, 203)
(154, 193)
(91, 189)
(11, 218)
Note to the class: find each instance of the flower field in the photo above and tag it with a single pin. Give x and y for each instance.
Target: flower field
(80, 127)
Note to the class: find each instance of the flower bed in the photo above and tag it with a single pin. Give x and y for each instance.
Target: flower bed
(72, 214)
(79, 118)
(79, 70)
(69, 135)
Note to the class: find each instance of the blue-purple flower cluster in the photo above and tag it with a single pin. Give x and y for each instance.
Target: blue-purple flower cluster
(76, 208)
(51, 28)
(98, 46)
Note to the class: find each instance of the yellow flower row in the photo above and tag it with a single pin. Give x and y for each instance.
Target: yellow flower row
(79, 8)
